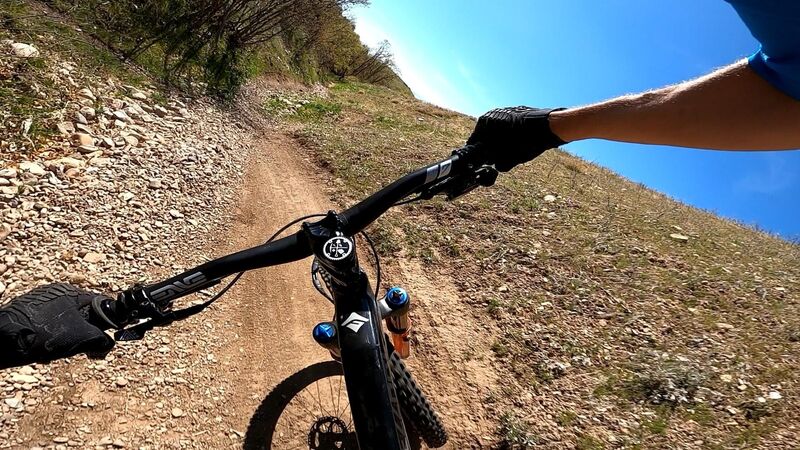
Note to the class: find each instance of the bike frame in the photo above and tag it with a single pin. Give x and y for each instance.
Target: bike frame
(361, 338)
(357, 315)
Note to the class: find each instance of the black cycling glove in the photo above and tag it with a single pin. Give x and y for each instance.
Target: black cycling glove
(48, 323)
(515, 135)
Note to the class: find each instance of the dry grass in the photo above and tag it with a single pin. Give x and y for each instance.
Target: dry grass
(629, 337)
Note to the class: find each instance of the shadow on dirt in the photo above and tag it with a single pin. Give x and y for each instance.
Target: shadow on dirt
(261, 429)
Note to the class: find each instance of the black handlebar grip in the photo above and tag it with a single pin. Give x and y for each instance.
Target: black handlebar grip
(472, 154)
(104, 313)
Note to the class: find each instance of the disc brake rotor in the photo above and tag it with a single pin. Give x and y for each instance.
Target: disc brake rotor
(329, 433)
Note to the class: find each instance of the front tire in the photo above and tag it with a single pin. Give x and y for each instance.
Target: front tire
(417, 411)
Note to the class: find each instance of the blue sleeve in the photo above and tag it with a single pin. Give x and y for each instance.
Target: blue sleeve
(776, 25)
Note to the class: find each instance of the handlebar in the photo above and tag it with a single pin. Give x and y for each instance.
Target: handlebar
(461, 172)
(362, 214)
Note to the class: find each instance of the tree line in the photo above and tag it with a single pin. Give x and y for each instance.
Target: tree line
(215, 39)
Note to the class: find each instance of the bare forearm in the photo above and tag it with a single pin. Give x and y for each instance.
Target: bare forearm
(730, 109)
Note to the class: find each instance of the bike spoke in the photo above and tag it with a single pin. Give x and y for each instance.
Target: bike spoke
(339, 395)
(333, 403)
(319, 399)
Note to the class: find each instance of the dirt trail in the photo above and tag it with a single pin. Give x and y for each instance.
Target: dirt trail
(276, 307)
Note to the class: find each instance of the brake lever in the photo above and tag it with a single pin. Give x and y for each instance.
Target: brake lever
(485, 176)
(156, 318)
(157, 315)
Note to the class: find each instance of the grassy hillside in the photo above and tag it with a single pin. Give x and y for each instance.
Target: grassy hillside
(622, 318)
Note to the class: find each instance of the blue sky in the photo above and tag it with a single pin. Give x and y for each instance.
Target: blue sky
(472, 56)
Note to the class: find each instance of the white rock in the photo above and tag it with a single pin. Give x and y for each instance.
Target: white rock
(26, 126)
(8, 172)
(66, 128)
(139, 95)
(32, 167)
(86, 149)
(88, 112)
(68, 162)
(24, 50)
(122, 116)
(82, 139)
(175, 213)
(94, 257)
(86, 93)
(131, 140)
(679, 237)
(22, 378)
(774, 395)
(160, 111)
(549, 198)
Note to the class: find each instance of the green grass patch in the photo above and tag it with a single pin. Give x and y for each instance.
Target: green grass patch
(566, 418)
(318, 110)
(587, 442)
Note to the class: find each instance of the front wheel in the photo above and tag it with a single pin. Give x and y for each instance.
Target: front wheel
(311, 410)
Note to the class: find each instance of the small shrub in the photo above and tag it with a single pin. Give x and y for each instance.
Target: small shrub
(669, 383)
(494, 307)
(514, 434)
(566, 418)
(499, 349)
(655, 426)
(587, 442)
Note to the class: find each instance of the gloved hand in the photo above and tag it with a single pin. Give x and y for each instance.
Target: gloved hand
(512, 136)
(48, 323)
